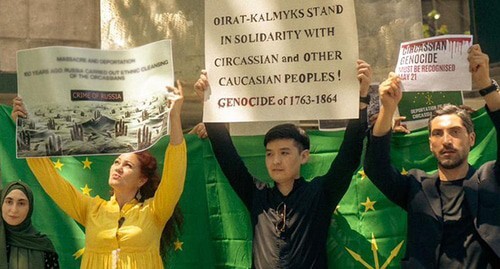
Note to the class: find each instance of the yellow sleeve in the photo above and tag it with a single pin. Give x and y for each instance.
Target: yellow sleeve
(172, 181)
(65, 195)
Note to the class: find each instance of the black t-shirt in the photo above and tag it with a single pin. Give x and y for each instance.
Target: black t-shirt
(461, 246)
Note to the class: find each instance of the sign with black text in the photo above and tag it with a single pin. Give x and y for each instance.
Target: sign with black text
(280, 60)
(84, 101)
(435, 64)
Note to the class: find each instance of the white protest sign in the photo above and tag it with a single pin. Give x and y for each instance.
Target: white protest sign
(280, 60)
(435, 64)
(89, 101)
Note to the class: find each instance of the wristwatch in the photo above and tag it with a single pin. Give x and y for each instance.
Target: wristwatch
(493, 87)
(365, 99)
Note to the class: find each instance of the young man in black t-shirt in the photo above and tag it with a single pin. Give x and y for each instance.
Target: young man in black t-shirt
(290, 220)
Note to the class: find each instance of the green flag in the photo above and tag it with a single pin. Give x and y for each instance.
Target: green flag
(419, 105)
(367, 230)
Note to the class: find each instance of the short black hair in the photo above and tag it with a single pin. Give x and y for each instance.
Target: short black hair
(288, 131)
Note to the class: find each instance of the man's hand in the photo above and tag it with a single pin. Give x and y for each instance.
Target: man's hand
(202, 85)
(479, 66)
(399, 126)
(199, 130)
(390, 92)
(390, 95)
(365, 74)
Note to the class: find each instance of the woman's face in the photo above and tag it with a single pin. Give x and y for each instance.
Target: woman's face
(125, 174)
(15, 207)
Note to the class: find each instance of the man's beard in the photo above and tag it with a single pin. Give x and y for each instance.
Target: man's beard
(451, 163)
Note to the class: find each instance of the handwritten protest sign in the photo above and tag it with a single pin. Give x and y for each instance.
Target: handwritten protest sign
(435, 64)
(88, 101)
(372, 110)
(280, 60)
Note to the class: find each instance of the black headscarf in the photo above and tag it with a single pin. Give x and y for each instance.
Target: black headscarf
(3, 249)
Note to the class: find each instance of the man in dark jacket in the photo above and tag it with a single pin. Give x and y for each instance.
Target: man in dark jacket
(454, 214)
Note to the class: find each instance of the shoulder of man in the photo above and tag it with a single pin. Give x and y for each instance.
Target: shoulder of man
(421, 175)
(486, 171)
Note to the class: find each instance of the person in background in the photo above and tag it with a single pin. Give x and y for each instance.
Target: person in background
(3, 247)
(25, 247)
(141, 220)
(453, 214)
(291, 219)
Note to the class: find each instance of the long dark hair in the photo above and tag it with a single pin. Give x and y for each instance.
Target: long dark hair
(174, 225)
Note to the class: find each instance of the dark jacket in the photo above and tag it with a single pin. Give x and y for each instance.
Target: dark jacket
(417, 193)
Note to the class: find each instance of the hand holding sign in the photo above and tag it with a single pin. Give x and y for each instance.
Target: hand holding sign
(390, 92)
(202, 85)
(479, 67)
(89, 97)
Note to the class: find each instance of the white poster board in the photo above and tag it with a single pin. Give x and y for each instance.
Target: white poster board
(89, 101)
(280, 60)
(435, 64)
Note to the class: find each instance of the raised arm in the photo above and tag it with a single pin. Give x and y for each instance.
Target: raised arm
(230, 162)
(390, 95)
(175, 164)
(225, 152)
(377, 164)
(176, 136)
(479, 66)
(64, 194)
(338, 177)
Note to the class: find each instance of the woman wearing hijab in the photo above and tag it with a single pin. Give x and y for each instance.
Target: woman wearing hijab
(3, 247)
(26, 248)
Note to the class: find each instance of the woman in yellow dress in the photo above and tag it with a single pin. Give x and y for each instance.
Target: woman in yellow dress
(128, 230)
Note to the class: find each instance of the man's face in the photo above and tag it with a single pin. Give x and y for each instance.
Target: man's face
(449, 141)
(284, 159)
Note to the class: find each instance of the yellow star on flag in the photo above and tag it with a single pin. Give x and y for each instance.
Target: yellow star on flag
(178, 245)
(428, 98)
(336, 211)
(404, 172)
(86, 163)
(362, 174)
(58, 165)
(86, 190)
(79, 253)
(369, 204)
